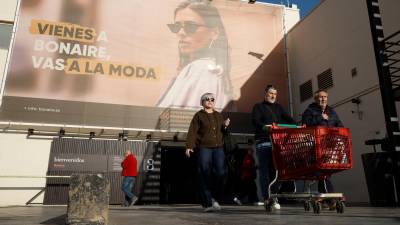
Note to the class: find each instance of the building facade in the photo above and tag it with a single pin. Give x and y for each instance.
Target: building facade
(332, 48)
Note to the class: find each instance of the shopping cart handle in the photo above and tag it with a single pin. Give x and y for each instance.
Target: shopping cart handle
(283, 125)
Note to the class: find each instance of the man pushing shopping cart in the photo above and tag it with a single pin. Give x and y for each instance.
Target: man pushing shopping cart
(298, 154)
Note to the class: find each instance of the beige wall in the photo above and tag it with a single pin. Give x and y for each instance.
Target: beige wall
(5, 36)
(18, 155)
(7, 14)
(292, 17)
(22, 157)
(7, 9)
(337, 35)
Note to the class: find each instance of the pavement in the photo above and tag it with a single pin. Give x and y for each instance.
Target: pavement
(193, 214)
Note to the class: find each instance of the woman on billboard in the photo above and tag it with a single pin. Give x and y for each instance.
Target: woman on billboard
(204, 61)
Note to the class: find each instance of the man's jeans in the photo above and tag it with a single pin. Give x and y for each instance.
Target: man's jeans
(211, 161)
(127, 184)
(266, 168)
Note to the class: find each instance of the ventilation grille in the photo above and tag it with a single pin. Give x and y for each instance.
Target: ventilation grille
(306, 91)
(325, 79)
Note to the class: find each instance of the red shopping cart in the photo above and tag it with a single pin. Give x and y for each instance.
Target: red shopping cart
(310, 153)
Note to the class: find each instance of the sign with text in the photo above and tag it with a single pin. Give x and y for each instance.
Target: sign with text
(78, 162)
(107, 63)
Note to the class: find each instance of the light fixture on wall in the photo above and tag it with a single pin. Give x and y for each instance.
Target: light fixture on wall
(120, 136)
(123, 136)
(92, 134)
(61, 133)
(357, 101)
(31, 131)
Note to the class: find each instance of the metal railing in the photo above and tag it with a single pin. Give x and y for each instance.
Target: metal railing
(41, 189)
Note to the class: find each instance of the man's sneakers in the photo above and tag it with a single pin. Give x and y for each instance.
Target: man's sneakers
(276, 206)
(237, 201)
(132, 201)
(214, 206)
(272, 204)
(209, 209)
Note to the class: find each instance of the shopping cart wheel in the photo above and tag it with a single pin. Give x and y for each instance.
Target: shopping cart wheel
(317, 207)
(307, 206)
(268, 205)
(340, 206)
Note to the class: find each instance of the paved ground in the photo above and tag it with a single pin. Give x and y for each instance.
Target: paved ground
(189, 214)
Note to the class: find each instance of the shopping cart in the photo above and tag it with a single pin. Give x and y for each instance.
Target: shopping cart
(309, 154)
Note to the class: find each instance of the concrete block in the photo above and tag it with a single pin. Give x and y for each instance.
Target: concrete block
(88, 200)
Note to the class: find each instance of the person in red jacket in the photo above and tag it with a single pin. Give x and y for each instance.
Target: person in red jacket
(246, 187)
(129, 172)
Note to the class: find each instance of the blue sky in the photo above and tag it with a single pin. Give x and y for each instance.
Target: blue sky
(305, 5)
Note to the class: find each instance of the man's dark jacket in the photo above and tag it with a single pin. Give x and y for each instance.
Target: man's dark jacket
(265, 113)
(312, 116)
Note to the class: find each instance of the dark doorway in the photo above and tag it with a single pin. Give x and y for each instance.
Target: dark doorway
(178, 178)
(383, 185)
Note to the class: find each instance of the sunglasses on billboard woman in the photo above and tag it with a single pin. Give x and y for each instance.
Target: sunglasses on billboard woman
(189, 27)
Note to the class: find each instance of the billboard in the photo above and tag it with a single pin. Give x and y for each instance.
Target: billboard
(122, 64)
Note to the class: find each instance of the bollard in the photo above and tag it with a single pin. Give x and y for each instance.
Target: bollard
(88, 200)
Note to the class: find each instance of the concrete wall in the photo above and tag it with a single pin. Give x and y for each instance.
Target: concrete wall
(7, 9)
(292, 17)
(7, 14)
(22, 157)
(18, 155)
(5, 37)
(337, 35)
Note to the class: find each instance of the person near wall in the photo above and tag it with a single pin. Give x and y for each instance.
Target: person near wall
(265, 114)
(247, 188)
(129, 172)
(319, 113)
(206, 135)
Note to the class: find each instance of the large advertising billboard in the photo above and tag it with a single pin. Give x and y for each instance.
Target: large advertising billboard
(122, 63)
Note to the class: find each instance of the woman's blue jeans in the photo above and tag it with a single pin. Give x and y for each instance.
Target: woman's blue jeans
(211, 169)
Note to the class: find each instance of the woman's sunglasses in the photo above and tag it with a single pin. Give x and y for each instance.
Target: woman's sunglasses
(210, 99)
(189, 27)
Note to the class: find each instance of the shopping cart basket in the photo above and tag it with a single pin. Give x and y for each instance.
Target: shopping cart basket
(310, 153)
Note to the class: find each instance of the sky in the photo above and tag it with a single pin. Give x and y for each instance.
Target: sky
(305, 6)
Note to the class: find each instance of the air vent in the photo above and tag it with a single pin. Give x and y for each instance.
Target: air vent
(306, 91)
(325, 79)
